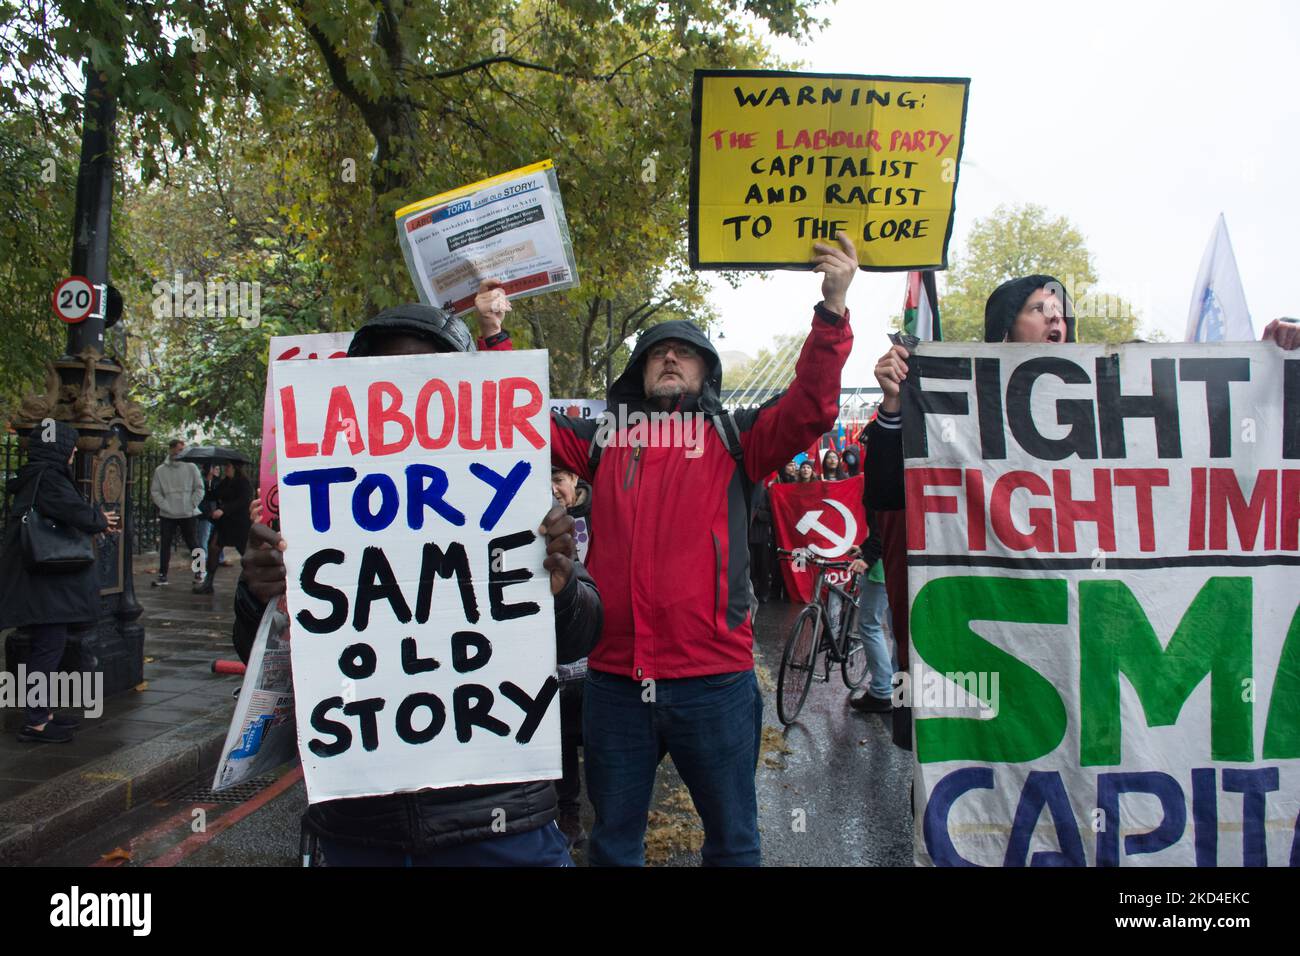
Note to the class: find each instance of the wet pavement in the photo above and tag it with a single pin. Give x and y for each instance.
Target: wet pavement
(832, 791)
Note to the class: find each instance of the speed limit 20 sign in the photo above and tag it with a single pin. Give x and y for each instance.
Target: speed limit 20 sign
(75, 298)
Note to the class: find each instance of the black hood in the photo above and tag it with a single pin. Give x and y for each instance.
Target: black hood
(629, 388)
(42, 455)
(54, 452)
(443, 329)
(1009, 298)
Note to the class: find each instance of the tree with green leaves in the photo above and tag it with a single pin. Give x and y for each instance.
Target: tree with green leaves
(377, 103)
(1027, 240)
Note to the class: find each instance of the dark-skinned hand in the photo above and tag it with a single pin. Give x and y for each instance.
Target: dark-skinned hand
(561, 551)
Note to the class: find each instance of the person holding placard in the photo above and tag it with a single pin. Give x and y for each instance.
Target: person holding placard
(1031, 309)
(506, 824)
(671, 472)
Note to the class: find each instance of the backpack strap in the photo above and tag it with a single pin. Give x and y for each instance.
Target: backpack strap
(729, 432)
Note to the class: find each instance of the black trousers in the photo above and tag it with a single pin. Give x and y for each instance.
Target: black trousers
(48, 642)
(167, 528)
(760, 569)
(215, 544)
(777, 590)
(568, 789)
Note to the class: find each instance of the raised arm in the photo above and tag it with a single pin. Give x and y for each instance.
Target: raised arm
(810, 405)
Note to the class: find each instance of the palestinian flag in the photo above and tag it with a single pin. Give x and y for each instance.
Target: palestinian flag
(921, 307)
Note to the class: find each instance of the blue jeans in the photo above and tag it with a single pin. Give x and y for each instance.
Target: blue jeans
(873, 601)
(544, 846)
(711, 726)
(203, 529)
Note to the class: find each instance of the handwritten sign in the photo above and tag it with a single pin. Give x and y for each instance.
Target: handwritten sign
(783, 159)
(411, 490)
(307, 347)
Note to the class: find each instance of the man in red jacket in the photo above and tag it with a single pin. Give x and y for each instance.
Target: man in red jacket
(674, 670)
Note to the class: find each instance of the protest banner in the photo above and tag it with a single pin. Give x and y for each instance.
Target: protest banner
(284, 348)
(782, 159)
(411, 492)
(823, 517)
(263, 732)
(1105, 644)
(510, 227)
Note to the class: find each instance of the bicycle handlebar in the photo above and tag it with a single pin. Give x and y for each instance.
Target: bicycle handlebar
(814, 559)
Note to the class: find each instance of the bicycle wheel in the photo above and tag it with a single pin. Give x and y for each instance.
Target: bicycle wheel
(797, 663)
(854, 667)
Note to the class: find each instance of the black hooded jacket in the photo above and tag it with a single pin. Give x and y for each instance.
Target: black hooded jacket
(28, 598)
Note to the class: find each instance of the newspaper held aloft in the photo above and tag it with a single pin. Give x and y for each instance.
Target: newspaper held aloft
(263, 732)
(510, 227)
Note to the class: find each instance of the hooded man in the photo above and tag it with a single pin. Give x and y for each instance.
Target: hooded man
(674, 671)
(508, 824)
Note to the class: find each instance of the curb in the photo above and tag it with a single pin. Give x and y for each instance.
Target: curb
(72, 804)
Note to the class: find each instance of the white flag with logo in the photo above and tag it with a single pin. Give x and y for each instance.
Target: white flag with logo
(1218, 311)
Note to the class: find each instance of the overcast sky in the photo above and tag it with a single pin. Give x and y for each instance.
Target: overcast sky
(1140, 122)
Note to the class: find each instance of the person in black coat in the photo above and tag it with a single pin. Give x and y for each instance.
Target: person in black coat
(45, 604)
(230, 521)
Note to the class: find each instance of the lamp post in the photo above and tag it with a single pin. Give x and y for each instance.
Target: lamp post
(88, 390)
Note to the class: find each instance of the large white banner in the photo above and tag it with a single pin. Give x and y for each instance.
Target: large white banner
(411, 492)
(1104, 574)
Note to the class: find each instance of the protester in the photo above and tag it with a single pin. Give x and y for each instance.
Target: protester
(789, 473)
(673, 673)
(46, 604)
(806, 473)
(575, 495)
(873, 602)
(832, 467)
(1032, 308)
(176, 490)
(233, 494)
(1028, 309)
(203, 523)
(507, 824)
(852, 461)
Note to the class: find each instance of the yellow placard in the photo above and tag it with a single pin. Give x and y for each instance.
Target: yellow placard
(783, 159)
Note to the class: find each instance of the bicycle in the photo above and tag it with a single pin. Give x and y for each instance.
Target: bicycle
(813, 632)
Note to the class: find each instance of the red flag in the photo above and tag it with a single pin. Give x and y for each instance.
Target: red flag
(825, 517)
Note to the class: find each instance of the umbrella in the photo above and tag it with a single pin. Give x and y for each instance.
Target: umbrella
(211, 454)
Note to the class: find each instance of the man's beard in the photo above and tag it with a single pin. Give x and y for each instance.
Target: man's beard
(671, 391)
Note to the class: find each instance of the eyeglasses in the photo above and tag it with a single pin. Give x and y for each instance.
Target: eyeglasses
(680, 349)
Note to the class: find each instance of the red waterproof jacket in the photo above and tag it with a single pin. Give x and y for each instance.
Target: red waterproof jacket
(671, 560)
